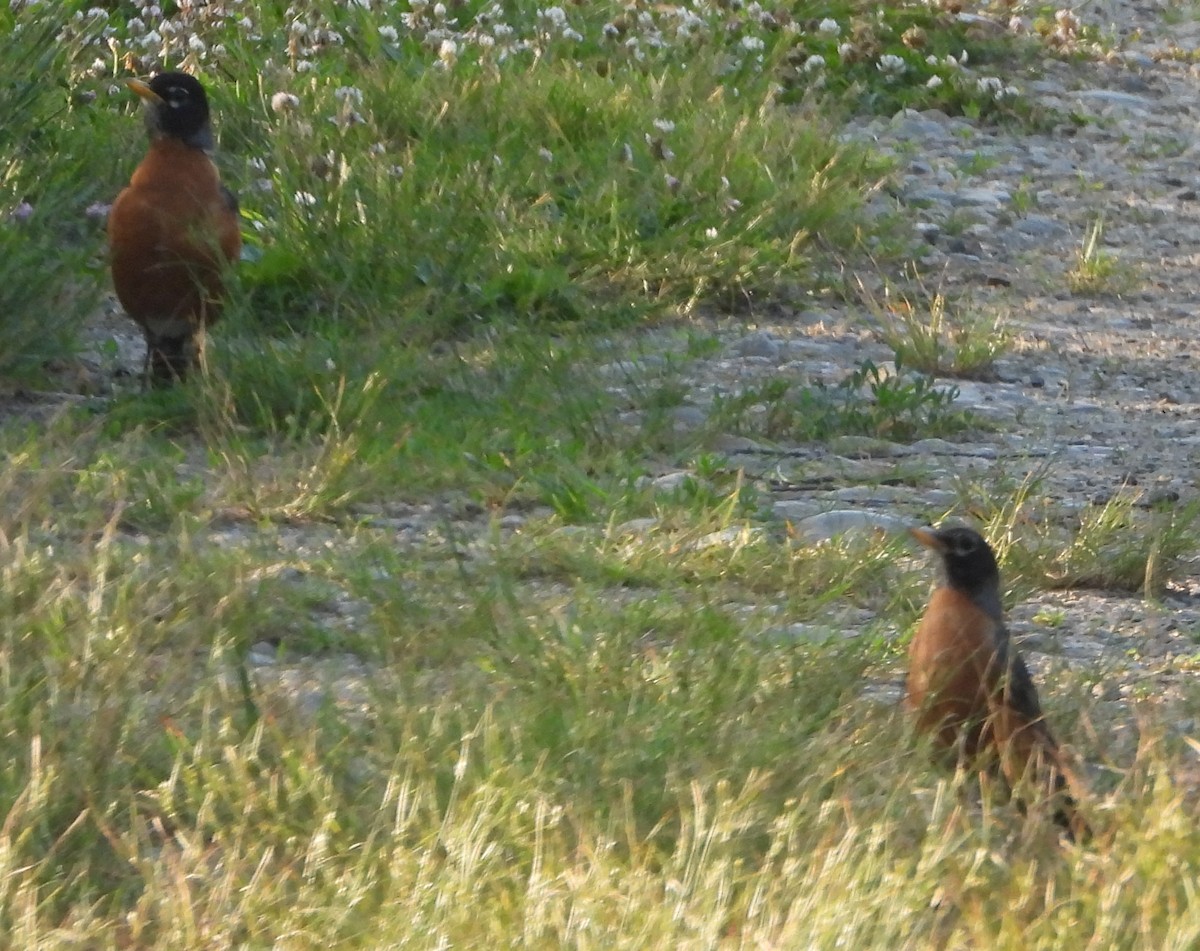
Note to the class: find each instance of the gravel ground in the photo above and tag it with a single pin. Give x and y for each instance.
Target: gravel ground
(1098, 393)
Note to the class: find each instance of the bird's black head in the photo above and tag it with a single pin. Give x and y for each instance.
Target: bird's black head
(968, 562)
(176, 107)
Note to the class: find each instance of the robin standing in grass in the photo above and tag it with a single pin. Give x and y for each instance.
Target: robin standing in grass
(969, 688)
(174, 229)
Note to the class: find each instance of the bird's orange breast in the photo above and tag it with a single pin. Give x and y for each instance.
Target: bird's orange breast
(951, 669)
(171, 232)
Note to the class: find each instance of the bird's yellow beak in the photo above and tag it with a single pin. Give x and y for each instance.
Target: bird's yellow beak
(144, 91)
(928, 538)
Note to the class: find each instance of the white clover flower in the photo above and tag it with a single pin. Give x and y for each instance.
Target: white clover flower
(439, 11)
(502, 31)
(710, 233)
(305, 66)
(258, 164)
(196, 45)
(688, 23)
(932, 60)
(673, 183)
(814, 63)
(933, 82)
(305, 199)
(891, 65)
(664, 125)
(989, 86)
(348, 94)
(573, 35)
(284, 102)
(626, 153)
(555, 15)
(298, 28)
(485, 41)
(829, 27)
(448, 52)
(752, 44)
(388, 34)
(610, 30)
(1018, 24)
(545, 154)
(152, 38)
(136, 25)
(846, 50)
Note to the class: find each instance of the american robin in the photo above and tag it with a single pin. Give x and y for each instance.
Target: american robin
(968, 686)
(174, 229)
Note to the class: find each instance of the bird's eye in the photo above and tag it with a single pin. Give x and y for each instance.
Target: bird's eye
(966, 546)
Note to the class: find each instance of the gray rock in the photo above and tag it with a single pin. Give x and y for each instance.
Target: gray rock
(830, 525)
(758, 344)
(1113, 97)
(688, 417)
(731, 444)
(673, 480)
(1041, 226)
(990, 196)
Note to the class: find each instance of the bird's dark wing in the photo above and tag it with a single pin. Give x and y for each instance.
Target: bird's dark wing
(1021, 694)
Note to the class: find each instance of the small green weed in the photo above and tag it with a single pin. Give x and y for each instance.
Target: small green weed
(869, 401)
(1097, 270)
(943, 337)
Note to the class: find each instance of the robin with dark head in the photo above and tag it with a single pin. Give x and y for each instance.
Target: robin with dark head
(173, 230)
(969, 688)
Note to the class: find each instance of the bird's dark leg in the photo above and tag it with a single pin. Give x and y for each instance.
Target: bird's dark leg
(169, 359)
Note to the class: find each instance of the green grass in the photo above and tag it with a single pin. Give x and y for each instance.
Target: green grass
(1097, 270)
(381, 633)
(943, 337)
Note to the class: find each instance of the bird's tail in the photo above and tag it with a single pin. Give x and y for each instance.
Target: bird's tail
(1032, 761)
